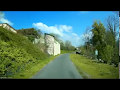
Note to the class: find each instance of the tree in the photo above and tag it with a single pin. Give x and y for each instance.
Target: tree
(67, 44)
(87, 37)
(87, 49)
(31, 33)
(107, 54)
(62, 45)
(112, 24)
(98, 31)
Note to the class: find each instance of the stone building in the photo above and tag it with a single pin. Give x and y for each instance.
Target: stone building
(8, 27)
(53, 47)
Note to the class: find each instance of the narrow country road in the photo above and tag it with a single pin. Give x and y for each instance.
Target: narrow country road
(60, 68)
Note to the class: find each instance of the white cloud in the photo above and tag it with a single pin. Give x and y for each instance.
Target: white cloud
(64, 31)
(65, 28)
(3, 19)
(57, 29)
(77, 40)
(74, 34)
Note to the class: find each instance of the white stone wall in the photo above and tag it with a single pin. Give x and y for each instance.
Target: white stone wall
(56, 48)
(49, 41)
(53, 47)
(6, 26)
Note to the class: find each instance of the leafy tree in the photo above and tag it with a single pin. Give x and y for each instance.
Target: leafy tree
(98, 38)
(104, 40)
(68, 45)
(62, 45)
(112, 24)
(31, 33)
(87, 39)
(107, 54)
(87, 35)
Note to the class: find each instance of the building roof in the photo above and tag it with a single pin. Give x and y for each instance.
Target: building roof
(8, 25)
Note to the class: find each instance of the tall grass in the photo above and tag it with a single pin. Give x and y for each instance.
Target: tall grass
(93, 70)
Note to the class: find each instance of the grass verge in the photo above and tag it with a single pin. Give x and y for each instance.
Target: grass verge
(66, 51)
(90, 69)
(34, 68)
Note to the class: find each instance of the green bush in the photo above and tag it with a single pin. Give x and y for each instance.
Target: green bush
(107, 54)
(13, 59)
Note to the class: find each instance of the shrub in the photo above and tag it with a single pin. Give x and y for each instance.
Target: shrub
(107, 54)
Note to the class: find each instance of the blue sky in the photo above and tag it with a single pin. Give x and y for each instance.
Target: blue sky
(70, 25)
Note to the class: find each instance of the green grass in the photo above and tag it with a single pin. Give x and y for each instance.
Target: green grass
(34, 68)
(92, 70)
(66, 51)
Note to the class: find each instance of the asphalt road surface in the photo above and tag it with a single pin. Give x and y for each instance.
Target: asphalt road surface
(60, 68)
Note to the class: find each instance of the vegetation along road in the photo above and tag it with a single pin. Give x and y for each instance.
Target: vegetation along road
(60, 68)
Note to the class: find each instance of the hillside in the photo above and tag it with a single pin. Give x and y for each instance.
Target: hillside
(17, 53)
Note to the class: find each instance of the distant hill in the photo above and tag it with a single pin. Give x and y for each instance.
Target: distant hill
(16, 52)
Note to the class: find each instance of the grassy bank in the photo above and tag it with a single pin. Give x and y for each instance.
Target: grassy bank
(34, 68)
(17, 53)
(93, 70)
